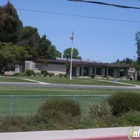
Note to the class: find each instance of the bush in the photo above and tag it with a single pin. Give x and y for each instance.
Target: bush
(44, 72)
(51, 74)
(92, 76)
(99, 110)
(123, 102)
(60, 75)
(38, 74)
(131, 118)
(110, 121)
(30, 72)
(60, 105)
(20, 74)
(65, 75)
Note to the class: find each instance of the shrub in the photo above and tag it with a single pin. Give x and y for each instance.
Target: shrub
(131, 118)
(44, 72)
(99, 110)
(123, 102)
(38, 74)
(51, 74)
(63, 105)
(110, 121)
(30, 72)
(20, 74)
(107, 77)
(65, 75)
(92, 76)
(60, 75)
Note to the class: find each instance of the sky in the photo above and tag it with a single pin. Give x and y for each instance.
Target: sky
(96, 39)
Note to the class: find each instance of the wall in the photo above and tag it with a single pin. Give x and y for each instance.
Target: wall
(37, 67)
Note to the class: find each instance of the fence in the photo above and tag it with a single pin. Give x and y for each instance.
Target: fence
(28, 104)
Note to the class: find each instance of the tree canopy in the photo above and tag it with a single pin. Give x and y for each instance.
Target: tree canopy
(75, 54)
(137, 63)
(18, 43)
(9, 23)
(11, 54)
(126, 61)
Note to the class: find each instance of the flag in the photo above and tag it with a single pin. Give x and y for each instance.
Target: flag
(72, 36)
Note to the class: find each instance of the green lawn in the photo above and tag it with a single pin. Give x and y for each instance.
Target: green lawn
(57, 80)
(11, 79)
(26, 100)
(80, 81)
(130, 82)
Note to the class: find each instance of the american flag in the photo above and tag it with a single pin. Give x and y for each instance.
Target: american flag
(72, 36)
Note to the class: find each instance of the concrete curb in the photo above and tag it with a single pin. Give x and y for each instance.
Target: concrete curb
(100, 138)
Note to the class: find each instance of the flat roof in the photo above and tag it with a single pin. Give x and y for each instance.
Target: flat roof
(83, 63)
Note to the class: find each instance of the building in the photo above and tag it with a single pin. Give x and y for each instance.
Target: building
(80, 67)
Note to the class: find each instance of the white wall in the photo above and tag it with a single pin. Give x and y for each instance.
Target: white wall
(37, 67)
(56, 68)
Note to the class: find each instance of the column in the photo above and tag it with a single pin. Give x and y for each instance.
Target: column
(103, 72)
(115, 73)
(77, 73)
(90, 71)
(106, 72)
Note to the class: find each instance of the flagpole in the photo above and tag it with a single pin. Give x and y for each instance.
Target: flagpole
(71, 60)
(72, 37)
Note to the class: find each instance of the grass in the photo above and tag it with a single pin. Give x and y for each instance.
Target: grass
(27, 105)
(26, 100)
(130, 82)
(12, 79)
(77, 81)
(4, 90)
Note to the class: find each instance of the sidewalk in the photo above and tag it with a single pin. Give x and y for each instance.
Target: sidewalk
(118, 133)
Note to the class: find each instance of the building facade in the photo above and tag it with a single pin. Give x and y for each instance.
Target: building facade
(80, 68)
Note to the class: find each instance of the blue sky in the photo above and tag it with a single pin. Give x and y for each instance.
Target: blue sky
(96, 39)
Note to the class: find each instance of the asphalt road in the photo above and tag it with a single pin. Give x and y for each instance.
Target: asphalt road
(67, 86)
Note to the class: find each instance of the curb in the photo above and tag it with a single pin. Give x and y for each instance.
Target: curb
(100, 138)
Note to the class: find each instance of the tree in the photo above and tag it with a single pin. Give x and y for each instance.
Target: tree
(10, 55)
(53, 53)
(75, 54)
(137, 63)
(11, 30)
(124, 61)
(28, 36)
(9, 23)
(44, 44)
(137, 38)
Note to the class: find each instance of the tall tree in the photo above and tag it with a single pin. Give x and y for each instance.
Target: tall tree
(137, 63)
(137, 38)
(75, 54)
(9, 23)
(11, 54)
(53, 52)
(29, 37)
(44, 44)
